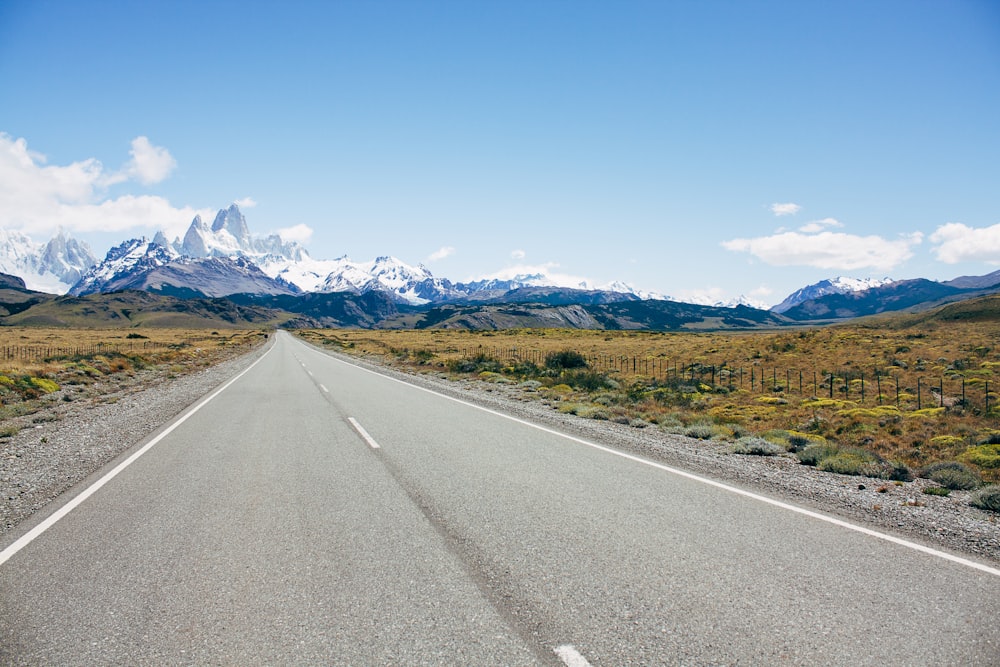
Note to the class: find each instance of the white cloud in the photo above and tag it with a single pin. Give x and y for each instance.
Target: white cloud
(518, 255)
(37, 198)
(150, 164)
(828, 250)
(785, 209)
(956, 242)
(819, 225)
(246, 202)
(441, 253)
(547, 271)
(299, 233)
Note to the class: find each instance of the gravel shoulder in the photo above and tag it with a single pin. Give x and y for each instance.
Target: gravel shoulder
(67, 441)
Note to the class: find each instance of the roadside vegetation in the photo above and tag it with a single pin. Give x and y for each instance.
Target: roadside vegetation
(880, 399)
(36, 363)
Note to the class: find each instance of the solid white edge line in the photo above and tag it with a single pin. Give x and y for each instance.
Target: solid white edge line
(75, 502)
(363, 433)
(570, 656)
(704, 480)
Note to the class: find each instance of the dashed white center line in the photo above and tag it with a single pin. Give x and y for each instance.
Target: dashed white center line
(325, 390)
(363, 433)
(571, 657)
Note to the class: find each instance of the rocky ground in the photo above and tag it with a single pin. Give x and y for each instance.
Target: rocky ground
(67, 441)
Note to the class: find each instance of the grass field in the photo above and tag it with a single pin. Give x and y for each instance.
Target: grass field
(886, 393)
(36, 362)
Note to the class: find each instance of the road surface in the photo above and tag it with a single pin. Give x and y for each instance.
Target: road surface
(313, 512)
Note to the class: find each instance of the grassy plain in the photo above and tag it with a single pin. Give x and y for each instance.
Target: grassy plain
(36, 362)
(908, 392)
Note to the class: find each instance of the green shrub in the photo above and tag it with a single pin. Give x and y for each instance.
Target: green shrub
(851, 462)
(586, 380)
(984, 456)
(816, 452)
(987, 498)
(565, 359)
(474, 365)
(700, 431)
(756, 446)
(937, 491)
(952, 475)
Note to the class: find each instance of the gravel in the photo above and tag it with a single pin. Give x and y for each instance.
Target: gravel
(69, 441)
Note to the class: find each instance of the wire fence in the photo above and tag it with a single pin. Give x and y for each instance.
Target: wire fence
(881, 386)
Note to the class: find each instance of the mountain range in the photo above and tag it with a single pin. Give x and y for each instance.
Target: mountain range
(223, 259)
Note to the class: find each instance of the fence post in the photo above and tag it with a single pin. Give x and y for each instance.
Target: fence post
(918, 393)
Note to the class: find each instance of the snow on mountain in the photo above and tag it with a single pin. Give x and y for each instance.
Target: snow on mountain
(122, 264)
(839, 285)
(741, 300)
(51, 267)
(150, 265)
(414, 285)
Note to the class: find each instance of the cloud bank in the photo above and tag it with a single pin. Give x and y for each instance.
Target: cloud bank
(955, 242)
(37, 198)
(828, 250)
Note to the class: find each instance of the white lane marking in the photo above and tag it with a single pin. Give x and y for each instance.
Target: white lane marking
(571, 657)
(363, 433)
(325, 390)
(703, 480)
(32, 534)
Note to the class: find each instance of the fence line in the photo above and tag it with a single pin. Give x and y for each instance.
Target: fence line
(40, 353)
(848, 384)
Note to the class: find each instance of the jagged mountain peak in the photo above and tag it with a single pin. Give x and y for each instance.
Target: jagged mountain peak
(51, 267)
(232, 221)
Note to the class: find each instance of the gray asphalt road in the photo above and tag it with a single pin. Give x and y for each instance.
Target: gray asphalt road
(317, 513)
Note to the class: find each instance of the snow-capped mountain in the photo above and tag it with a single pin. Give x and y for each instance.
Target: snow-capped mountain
(51, 267)
(229, 236)
(122, 264)
(414, 285)
(839, 285)
(149, 265)
(741, 300)
(497, 286)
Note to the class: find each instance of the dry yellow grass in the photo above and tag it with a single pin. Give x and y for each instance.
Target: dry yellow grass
(35, 362)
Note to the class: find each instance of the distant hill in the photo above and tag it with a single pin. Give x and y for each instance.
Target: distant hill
(634, 315)
(16, 298)
(976, 282)
(894, 296)
(137, 308)
(980, 309)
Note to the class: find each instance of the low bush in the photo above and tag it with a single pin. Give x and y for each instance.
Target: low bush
(952, 475)
(700, 431)
(565, 359)
(937, 491)
(851, 461)
(756, 446)
(987, 498)
(984, 456)
(812, 454)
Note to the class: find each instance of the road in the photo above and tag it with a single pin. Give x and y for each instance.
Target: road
(314, 512)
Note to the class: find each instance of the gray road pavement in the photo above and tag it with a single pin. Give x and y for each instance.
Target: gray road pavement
(317, 513)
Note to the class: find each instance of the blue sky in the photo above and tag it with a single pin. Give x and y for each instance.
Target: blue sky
(690, 148)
